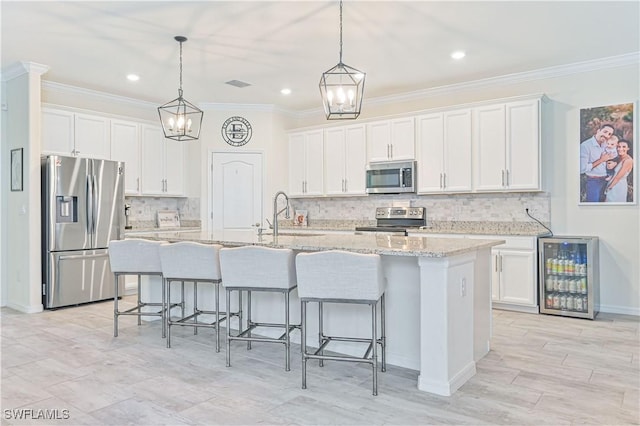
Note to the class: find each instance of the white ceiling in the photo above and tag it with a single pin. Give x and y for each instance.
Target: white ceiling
(403, 46)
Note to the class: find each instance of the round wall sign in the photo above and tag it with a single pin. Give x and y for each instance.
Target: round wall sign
(236, 131)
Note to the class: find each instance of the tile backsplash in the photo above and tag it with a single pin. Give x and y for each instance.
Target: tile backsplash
(508, 207)
(143, 210)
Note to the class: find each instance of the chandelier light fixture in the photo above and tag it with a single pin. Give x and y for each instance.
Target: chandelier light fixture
(181, 120)
(342, 88)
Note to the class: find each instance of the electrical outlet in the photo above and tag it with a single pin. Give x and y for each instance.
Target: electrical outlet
(463, 287)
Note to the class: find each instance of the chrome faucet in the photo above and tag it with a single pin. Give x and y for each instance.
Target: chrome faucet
(276, 212)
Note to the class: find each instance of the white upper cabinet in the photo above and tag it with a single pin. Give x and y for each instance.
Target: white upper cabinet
(57, 132)
(506, 146)
(74, 134)
(306, 163)
(345, 160)
(443, 145)
(391, 139)
(125, 147)
(92, 136)
(162, 163)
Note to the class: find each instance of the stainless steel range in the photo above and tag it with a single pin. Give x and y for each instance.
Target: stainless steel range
(396, 220)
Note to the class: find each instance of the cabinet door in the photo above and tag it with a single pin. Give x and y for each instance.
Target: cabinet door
(379, 140)
(314, 163)
(125, 146)
(296, 164)
(457, 151)
(152, 160)
(489, 148)
(174, 167)
(403, 139)
(335, 161)
(430, 148)
(517, 277)
(57, 132)
(355, 162)
(523, 145)
(92, 136)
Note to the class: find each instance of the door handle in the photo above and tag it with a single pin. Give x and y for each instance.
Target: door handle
(346, 187)
(507, 180)
(444, 180)
(440, 180)
(94, 203)
(388, 151)
(137, 184)
(80, 256)
(502, 177)
(391, 145)
(88, 204)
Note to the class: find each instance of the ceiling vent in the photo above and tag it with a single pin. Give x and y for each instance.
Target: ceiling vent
(237, 83)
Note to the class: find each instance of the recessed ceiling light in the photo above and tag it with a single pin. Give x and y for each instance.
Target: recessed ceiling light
(286, 91)
(458, 54)
(133, 77)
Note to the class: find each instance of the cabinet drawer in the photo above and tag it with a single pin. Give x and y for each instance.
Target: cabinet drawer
(523, 243)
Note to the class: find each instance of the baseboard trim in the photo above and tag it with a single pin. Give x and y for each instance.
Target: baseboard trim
(614, 309)
(27, 309)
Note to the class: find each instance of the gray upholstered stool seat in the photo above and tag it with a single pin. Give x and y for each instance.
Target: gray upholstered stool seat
(342, 277)
(251, 269)
(137, 257)
(196, 263)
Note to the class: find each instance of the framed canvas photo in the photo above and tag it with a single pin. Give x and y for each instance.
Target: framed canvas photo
(607, 147)
(16, 169)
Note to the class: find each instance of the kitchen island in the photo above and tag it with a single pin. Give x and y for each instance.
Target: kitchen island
(438, 298)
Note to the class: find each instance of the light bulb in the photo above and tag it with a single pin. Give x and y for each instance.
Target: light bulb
(341, 96)
(351, 96)
(330, 97)
(189, 125)
(171, 123)
(180, 122)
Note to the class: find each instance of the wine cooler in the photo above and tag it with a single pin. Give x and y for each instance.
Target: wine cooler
(568, 276)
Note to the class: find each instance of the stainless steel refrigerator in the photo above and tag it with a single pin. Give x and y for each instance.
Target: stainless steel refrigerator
(82, 210)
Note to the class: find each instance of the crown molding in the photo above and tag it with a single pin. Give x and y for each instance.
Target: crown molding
(53, 86)
(19, 68)
(244, 107)
(619, 61)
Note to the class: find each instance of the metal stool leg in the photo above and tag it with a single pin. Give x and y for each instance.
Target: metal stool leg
(195, 307)
(139, 299)
(163, 308)
(115, 307)
(181, 300)
(383, 334)
(287, 343)
(228, 328)
(320, 332)
(168, 322)
(374, 343)
(303, 341)
(248, 319)
(217, 296)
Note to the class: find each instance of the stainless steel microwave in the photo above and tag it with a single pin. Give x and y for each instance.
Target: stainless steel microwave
(391, 177)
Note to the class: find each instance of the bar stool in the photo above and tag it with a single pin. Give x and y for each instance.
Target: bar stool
(336, 276)
(137, 257)
(254, 268)
(196, 263)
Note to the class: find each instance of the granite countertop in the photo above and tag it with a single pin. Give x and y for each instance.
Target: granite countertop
(530, 229)
(369, 243)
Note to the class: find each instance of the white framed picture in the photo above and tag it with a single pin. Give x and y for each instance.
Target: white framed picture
(607, 148)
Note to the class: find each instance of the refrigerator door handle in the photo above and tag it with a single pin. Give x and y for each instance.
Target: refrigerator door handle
(94, 203)
(89, 206)
(80, 256)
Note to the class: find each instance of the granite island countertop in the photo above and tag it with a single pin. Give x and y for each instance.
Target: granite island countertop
(368, 243)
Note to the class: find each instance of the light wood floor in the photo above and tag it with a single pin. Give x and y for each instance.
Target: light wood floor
(541, 370)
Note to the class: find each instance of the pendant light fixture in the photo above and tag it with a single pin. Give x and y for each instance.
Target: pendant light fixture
(342, 88)
(181, 120)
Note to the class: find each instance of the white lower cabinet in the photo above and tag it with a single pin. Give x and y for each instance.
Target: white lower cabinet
(514, 273)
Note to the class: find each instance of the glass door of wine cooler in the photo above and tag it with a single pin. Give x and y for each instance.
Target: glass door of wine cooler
(569, 274)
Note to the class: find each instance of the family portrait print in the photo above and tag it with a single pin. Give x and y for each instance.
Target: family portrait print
(607, 173)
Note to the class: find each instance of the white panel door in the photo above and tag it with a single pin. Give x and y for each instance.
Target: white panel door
(355, 160)
(430, 148)
(174, 167)
(92, 136)
(489, 148)
(296, 164)
(403, 139)
(334, 148)
(457, 151)
(57, 132)
(379, 140)
(523, 145)
(314, 163)
(517, 277)
(236, 198)
(125, 147)
(152, 181)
